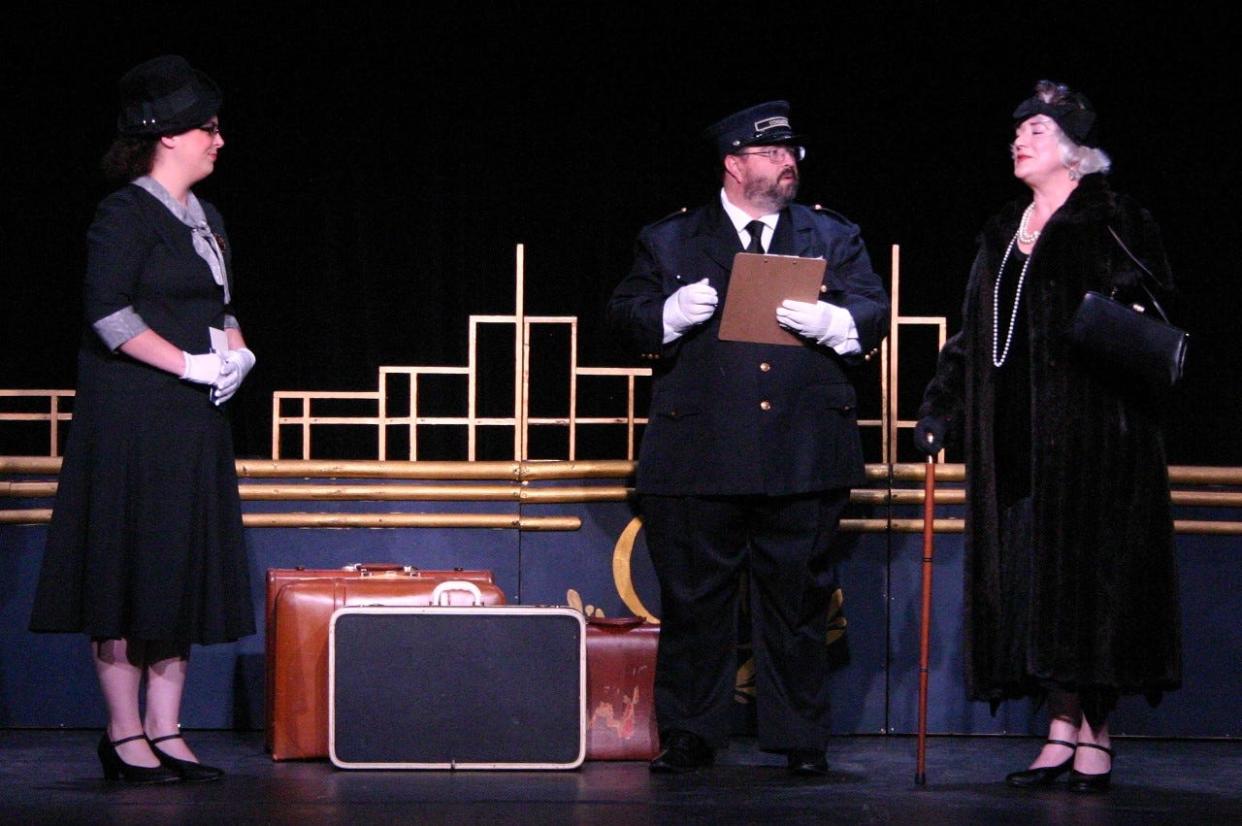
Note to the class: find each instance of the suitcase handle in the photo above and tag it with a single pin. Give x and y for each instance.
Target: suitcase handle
(365, 568)
(616, 622)
(438, 595)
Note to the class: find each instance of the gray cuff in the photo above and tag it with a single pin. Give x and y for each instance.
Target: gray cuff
(230, 322)
(117, 328)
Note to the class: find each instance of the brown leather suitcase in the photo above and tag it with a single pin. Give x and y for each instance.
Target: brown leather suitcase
(621, 660)
(278, 578)
(298, 634)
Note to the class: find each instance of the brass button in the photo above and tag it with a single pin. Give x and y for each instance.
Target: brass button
(765, 405)
(764, 366)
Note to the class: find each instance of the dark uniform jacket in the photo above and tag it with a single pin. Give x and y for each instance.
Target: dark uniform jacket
(734, 418)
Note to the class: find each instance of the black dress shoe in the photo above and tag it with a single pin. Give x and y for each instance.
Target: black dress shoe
(187, 770)
(114, 768)
(683, 752)
(807, 763)
(1045, 775)
(1092, 783)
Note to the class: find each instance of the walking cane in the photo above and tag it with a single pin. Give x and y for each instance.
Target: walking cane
(929, 512)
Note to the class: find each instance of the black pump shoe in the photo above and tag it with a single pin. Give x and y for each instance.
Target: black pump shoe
(187, 770)
(1092, 783)
(1045, 775)
(114, 768)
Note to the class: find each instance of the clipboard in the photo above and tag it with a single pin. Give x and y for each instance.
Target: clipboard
(757, 286)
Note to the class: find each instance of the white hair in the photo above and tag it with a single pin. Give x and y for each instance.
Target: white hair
(1081, 160)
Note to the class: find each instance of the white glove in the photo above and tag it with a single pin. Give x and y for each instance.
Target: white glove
(821, 322)
(237, 364)
(692, 304)
(203, 368)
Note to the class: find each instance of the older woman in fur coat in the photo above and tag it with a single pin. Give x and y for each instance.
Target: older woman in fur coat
(1071, 585)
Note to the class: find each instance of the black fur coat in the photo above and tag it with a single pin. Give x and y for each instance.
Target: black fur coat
(1103, 608)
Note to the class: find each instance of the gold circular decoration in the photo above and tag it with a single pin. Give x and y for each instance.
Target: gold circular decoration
(836, 619)
(622, 576)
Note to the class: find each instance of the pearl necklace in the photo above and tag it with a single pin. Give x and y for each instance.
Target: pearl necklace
(997, 361)
(1026, 236)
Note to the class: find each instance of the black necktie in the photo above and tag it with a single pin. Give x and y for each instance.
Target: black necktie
(755, 228)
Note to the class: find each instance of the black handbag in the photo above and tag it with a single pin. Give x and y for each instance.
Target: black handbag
(1126, 339)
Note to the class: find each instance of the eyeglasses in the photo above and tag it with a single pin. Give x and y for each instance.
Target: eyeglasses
(777, 154)
(212, 129)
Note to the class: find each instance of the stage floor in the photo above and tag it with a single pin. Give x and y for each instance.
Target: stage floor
(53, 777)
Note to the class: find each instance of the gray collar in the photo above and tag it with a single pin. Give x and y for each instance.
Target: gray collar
(192, 215)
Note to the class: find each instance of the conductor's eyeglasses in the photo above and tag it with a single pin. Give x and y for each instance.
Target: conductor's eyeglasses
(778, 154)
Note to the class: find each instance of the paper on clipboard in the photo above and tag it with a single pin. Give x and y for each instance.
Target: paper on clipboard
(757, 286)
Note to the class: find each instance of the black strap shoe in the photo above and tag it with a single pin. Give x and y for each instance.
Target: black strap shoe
(188, 770)
(1092, 783)
(683, 752)
(807, 763)
(1044, 775)
(114, 768)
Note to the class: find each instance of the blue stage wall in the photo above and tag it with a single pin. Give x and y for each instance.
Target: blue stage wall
(47, 680)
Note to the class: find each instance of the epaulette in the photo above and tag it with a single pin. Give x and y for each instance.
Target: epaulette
(679, 213)
(831, 213)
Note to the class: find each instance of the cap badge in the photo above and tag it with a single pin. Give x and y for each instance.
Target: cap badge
(771, 123)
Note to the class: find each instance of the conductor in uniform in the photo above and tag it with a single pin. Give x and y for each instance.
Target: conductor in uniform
(750, 449)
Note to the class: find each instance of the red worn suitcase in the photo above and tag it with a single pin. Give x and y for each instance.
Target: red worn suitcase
(621, 660)
(299, 635)
(480, 687)
(278, 578)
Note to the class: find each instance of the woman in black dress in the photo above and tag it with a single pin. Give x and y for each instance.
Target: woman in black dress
(145, 551)
(1071, 588)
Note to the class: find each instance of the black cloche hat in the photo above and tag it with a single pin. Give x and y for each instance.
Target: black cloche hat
(165, 96)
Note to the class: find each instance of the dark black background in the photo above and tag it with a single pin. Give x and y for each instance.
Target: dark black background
(381, 163)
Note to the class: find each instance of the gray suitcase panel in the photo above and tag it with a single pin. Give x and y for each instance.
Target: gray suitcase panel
(480, 687)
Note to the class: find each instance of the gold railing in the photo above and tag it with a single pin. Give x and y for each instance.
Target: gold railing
(296, 408)
(518, 477)
(53, 413)
(518, 483)
(412, 418)
(300, 414)
(890, 360)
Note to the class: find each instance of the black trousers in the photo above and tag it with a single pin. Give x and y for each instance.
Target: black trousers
(699, 547)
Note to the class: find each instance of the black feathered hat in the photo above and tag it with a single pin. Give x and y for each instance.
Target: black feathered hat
(1069, 109)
